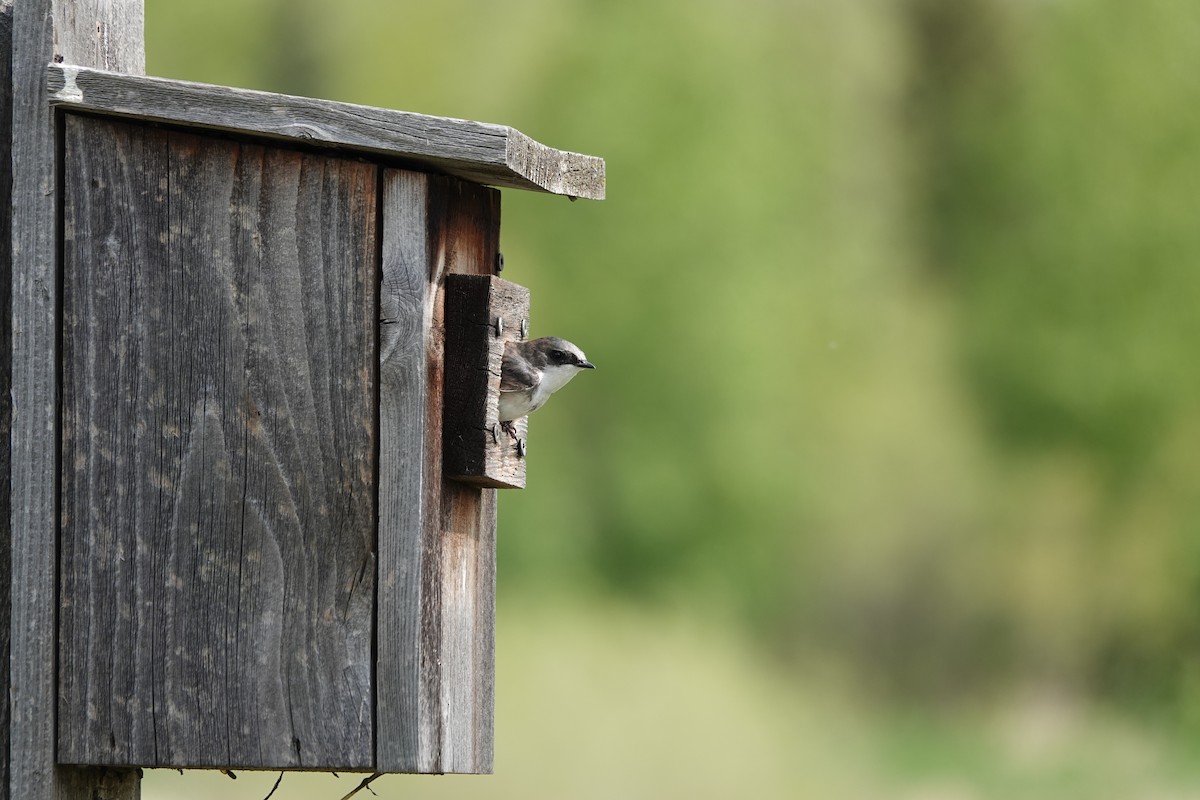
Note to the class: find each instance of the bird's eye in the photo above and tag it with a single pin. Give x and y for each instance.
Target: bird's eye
(558, 355)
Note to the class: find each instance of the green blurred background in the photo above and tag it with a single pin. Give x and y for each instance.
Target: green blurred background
(886, 486)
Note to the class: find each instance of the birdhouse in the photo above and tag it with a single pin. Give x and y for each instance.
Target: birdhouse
(255, 360)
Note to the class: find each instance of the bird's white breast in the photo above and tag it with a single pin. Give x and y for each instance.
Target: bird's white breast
(517, 404)
(514, 405)
(553, 379)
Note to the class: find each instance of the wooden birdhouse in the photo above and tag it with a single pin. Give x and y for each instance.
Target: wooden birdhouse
(254, 354)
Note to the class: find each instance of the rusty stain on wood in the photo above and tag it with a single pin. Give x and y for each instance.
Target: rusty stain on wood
(436, 603)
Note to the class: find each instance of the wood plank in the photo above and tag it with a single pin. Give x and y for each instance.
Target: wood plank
(104, 540)
(491, 154)
(41, 30)
(218, 452)
(436, 596)
(467, 240)
(102, 33)
(406, 685)
(483, 315)
(6, 110)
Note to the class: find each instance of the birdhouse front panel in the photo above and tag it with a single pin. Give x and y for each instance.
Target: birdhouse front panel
(262, 560)
(218, 451)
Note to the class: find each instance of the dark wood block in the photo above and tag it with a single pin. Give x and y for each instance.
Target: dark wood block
(483, 314)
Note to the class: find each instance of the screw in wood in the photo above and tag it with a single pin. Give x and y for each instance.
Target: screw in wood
(496, 433)
(524, 329)
(499, 326)
(499, 262)
(521, 448)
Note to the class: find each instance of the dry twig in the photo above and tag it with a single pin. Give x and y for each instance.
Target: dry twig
(278, 781)
(366, 784)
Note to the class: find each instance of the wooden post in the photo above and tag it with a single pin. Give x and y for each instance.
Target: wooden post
(105, 34)
(6, 111)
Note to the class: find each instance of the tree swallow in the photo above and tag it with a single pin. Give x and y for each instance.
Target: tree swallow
(534, 370)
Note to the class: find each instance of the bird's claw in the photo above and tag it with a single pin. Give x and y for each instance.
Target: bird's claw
(509, 428)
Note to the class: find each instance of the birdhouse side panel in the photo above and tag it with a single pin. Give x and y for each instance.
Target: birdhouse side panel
(435, 646)
(218, 449)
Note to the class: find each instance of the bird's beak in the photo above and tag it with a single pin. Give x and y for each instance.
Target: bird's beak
(586, 365)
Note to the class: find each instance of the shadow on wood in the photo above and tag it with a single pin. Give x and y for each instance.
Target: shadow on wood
(483, 314)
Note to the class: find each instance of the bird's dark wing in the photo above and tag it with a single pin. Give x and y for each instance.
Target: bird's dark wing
(517, 376)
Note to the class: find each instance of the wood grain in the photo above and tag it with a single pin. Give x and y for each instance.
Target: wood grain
(406, 685)
(467, 239)
(218, 452)
(102, 33)
(476, 151)
(6, 109)
(42, 29)
(213, 472)
(476, 449)
(436, 595)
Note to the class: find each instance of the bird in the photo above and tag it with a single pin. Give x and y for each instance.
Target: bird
(532, 371)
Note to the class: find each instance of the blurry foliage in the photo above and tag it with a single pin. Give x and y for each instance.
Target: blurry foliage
(1058, 175)
(594, 705)
(894, 306)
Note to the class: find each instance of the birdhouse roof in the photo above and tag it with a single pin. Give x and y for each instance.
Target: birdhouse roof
(496, 155)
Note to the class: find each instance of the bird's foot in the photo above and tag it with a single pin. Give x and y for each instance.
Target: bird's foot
(509, 428)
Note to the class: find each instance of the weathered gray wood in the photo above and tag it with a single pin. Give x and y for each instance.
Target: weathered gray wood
(43, 29)
(406, 683)
(33, 448)
(490, 154)
(6, 109)
(483, 314)
(218, 445)
(436, 600)
(101, 33)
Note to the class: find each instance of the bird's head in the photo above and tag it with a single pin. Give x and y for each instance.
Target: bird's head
(558, 359)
